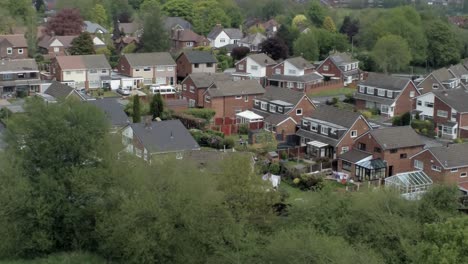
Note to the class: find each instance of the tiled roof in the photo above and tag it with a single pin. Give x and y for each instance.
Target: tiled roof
(232, 88)
(271, 118)
(300, 63)
(59, 90)
(18, 65)
(262, 59)
(396, 137)
(442, 74)
(254, 39)
(456, 98)
(373, 98)
(197, 56)
(306, 78)
(204, 79)
(458, 70)
(354, 155)
(276, 93)
(314, 136)
(93, 27)
(46, 41)
(186, 35)
(97, 61)
(171, 22)
(18, 41)
(113, 110)
(233, 33)
(129, 28)
(164, 136)
(335, 115)
(342, 58)
(385, 81)
(455, 155)
(149, 59)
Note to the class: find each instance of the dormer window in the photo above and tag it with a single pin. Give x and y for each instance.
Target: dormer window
(272, 108)
(411, 94)
(389, 94)
(362, 89)
(324, 130)
(313, 127)
(381, 92)
(263, 106)
(277, 71)
(305, 123)
(280, 109)
(256, 102)
(370, 90)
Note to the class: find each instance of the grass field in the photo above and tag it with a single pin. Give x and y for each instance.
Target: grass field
(333, 92)
(106, 94)
(63, 258)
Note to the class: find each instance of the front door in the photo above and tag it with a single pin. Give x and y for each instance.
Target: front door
(390, 171)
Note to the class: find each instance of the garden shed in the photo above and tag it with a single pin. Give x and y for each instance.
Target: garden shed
(411, 185)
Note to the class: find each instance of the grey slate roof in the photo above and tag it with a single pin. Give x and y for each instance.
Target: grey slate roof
(271, 118)
(442, 74)
(354, 155)
(455, 155)
(149, 59)
(113, 110)
(204, 79)
(18, 65)
(373, 98)
(306, 78)
(164, 136)
(456, 98)
(342, 58)
(396, 137)
(276, 93)
(300, 63)
(232, 88)
(314, 136)
(93, 27)
(385, 81)
(262, 59)
(59, 90)
(335, 115)
(458, 70)
(97, 61)
(171, 22)
(233, 33)
(197, 56)
(254, 39)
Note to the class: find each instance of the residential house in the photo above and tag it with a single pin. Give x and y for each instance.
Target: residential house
(230, 97)
(13, 47)
(461, 73)
(341, 66)
(329, 131)
(444, 165)
(19, 76)
(391, 96)
(186, 39)
(132, 29)
(296, 66)
(282, 110)
(155, 68)
(256, 66)
(176, 23)
(440, 79)
(381, 153)
(114, 112)
(59, 91)
(451, 113)
(271, 27)
(52, 46)
(156, 138)
(195, 61)
(295, 73)
(220, 36)
(252, 41)
(195, 85)
(81, 71)
(94, 28)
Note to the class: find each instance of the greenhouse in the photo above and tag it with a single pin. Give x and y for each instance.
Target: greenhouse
(411, 185)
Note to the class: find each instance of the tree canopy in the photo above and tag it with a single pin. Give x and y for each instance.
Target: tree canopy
(67, 22)
(82, 45)
(392, 53)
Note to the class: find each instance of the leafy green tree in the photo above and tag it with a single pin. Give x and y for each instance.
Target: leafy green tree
(350, 27)
(329, 25)
(82, 45)
(99, 15)
(316, 13)
(130, 48)
(392, 53)
(275, 48)
(156, 106)
(328, 41)
(288, 35)
(443, 45)
(136, 114)
(306, 46)
(39, 5)
(299, 21)
(178, 8)
(135, 4)
(154, 36)
(207, 14)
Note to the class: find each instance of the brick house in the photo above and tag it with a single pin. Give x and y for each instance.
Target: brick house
(392, 96)
(294, 73)
(13, 47)
(195, 85)
(444, 165)
(252, 41)
(340, 66)
(282, 110)
(230, 97)
(256, 66)
(155, 68)
(329, 131)
(451, 113)
(186, 38)
(155, 138)
(52, 46)
(381, 153)
(440, 79)
(220, 36)
(19, 76)
(81, 71)
(195, 61)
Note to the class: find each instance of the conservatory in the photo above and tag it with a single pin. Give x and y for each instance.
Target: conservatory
(411, 185)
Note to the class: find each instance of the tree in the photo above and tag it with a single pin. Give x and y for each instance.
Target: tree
(154, 36)
(391, 53)
(299, 21)
(443, 45)
(275, 48)
(67, 22)
(350, 27)
(39, 5)
(99, 15)
(256, 29)
(328, 41)
(238, 53)
(82, 45)
(316, 13)
(136, 114)
(157, 106)
(207, 14)
(329, 25)
(288, 35)
(135, 4)
(306, 46)
(178, 8)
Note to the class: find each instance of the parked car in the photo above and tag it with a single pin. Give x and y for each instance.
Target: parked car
(123, 91)
(163, 89)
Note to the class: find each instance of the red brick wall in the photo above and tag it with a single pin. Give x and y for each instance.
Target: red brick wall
(405, 103)
(347, 141)
(439, 105)
(124, 67)
(307, 109)
(278, 66)
(184, 67)
(186, 93)
(463, 119)
(242, 62)
(227, 106)
(3, 51)
(442, 177)
(332, 69)
(324, 86)
(286, 128)
(360, 104)
(269, 70)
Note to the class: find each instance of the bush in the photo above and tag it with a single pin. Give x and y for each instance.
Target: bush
(309, 182)
(243, 129)
(367, 114)
(349, 99)
(215, 133)
(458, 140)
(396, 121)
(275, 168)
(204, 113)
(229, 142)
(5, 113)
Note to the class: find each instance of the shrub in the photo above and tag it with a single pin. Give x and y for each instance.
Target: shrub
(216, 133)
(375, 111)
(274, 168)
(396, 121)
(367, 114)
(204, 113)
(349, 98)
(229, 142)
(5, 113)
(243, 129)
(296, 181)
(458, 140)
(284, 155)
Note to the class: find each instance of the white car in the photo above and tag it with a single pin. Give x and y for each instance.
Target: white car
(123, 91)
(162, 89)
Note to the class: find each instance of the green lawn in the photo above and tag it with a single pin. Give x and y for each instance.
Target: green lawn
(333, 92)
(63, 258)
(106, 94)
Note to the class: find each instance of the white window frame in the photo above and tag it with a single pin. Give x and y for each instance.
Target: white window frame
(435, 86)
(389, 94)
(362, 89)
(9, 51)
(381, 92)
(436, 168)
(312, 126)
(241, 67)
(442, 113)
(264, 106)
(419, 102)
(57, 50)
(160, 68)
(289, 84)
(324, 130)
(256, 102)
(222, 40)
(326, 68)
(278, 71)
(192, 89)
(20, 51)
(238, 97)
(412, 94)
(184, 87)
(463, 175)
(246, 98)
(353, 133)
(291, 71)
(370, 90)
(170, 68)
(272, 108)
(300, 85)
(207, 99)
(418, 164)
(344, 149)
(280, 109)
(299, 111)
